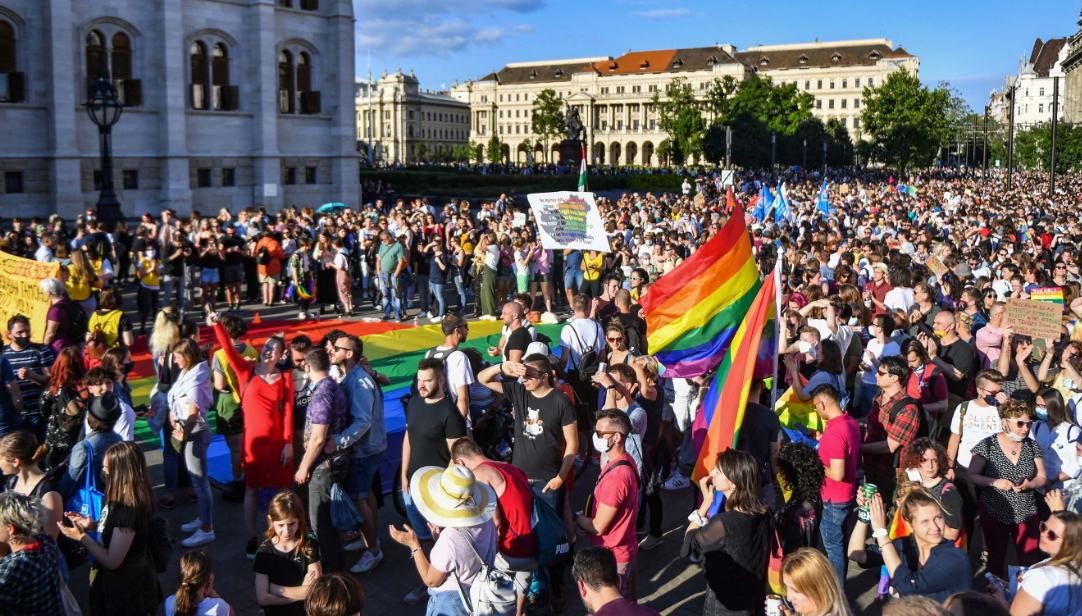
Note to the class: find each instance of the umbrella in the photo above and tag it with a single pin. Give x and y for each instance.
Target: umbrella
(330, 208)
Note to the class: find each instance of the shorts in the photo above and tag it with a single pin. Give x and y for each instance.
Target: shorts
(361, 473)
(542, 277)
(268, 279)
(416, 520)
(522, 283)
(233, 274)
(573, 279)
(209, 275)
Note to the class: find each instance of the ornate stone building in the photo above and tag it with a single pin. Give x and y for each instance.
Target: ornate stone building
(1034, 83)
(229, 103)
(406, 124)
(1072, 69)
(614, 95)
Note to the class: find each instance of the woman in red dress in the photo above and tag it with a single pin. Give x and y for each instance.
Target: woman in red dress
(267, 400)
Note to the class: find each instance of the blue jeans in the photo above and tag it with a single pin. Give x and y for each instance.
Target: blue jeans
(416, 520)
(170, 462)
(460, 288)
(391, 300)
(435, 289)
(832, 530)
(195, 456)
(445, 603)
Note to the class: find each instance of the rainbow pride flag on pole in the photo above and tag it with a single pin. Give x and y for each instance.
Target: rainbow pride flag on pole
(717, 425)
(694, 311)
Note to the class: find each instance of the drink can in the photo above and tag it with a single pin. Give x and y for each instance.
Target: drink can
(870, 490)
(773, 605)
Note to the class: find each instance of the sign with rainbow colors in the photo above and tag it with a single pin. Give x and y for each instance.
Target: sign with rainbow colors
(1052, 295)
(568, 220)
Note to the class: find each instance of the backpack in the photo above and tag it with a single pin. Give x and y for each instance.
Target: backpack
(589, 361)
(922, 421)
(159, 543)
(553, 547)
(442, 355)
(493, 590)
(77, 321)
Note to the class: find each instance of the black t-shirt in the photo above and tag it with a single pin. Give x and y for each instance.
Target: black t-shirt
(964, 358)
(285, 569)
(539, 436)
(635, 330)
(517, 340)
(232, 258)
(758, 430)
(429, 426)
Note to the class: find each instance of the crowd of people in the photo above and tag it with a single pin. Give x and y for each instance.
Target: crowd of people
(920, 433)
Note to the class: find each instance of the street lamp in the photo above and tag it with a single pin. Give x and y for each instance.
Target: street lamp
(805, 155)
(104, 108)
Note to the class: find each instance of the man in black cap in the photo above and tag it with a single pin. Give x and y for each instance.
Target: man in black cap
(101, 416)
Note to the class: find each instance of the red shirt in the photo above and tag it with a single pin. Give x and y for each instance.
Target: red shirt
(618, 488)
(879, 292)
(927, 386)
(840, 441)
(516, 507)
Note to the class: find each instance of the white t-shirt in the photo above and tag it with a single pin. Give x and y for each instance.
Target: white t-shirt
(980, 423)
(1056, 588)
(1060, 454)
(899, 298)
(125, 424)
(458, 370)
(843, 337)
(453, 554)
(874, 353)
(590, 334)
(207, 607)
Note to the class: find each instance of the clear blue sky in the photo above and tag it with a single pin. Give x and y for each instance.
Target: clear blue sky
(972, 44)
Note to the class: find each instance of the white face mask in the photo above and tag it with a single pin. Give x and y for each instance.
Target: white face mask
(1017, 438)
(873, 331)
(602, 445)
(804, 346)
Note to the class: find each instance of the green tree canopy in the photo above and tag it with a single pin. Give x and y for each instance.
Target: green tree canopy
(494, 150)
(907, 121)
(547, 118)
(680, 115)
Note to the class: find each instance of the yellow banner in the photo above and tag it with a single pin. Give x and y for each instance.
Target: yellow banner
(19, 293)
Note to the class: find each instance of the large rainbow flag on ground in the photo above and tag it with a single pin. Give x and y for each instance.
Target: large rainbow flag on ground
(694, 311)
(717, 424)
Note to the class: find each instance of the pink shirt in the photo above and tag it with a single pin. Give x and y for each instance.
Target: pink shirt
(618, 488)
(989, 340)
(840, 441)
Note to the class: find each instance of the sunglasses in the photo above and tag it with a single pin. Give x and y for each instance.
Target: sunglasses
(340, 348)
(1022, 423)
(615, 339)
(606, 434)
(1052, 535)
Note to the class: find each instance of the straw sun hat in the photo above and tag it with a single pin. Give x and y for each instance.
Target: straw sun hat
(452, 497)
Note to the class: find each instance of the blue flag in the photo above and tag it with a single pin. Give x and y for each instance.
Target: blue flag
(781, 208)
(824, 201)
(762, 204)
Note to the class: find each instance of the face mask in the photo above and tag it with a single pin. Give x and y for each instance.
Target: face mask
(21, 340)
(939, 333)
(853, 321)
(873, 331)
(991, 401)
(127, 367)
(602, 445)
(1042, 412)
(805, 347)
(1017, 438)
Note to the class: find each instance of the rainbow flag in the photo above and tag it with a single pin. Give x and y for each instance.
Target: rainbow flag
(1052, 295)
(693, 312)
(717, 425)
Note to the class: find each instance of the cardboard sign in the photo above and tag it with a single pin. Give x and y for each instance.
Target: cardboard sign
(936, 266)
(19, 293)
(1035, 319)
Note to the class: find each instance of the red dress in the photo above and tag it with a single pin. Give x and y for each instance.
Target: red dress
(268, 420)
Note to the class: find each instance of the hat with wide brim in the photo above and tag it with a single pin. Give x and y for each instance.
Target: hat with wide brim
(452, 497)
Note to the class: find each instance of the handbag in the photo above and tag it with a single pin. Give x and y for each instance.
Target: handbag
(344, 514)
(493, 591)
(773, 568)
(88, 500)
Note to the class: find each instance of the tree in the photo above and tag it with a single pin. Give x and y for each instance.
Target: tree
(477, 152)
(782, 108)
(547, 118)
(717, 101)
(494, 150)
(460, 152)
(680, 115)
(419, 150)
(839, 145)
(906, 121)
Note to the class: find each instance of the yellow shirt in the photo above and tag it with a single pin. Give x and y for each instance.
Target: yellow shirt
(78, 288)
(148, 273)
(593, 266)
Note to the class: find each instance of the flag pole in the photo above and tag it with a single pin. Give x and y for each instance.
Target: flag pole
(778, 316)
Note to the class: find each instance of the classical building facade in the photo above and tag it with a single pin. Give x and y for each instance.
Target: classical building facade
(228, 103)
(1072, 69)
(614, 96)
(1034, 84)
(398, 122)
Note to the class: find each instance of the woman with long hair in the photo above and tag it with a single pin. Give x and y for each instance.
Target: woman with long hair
(801, 473)
(195, 594)
(1056, 434)
(189, 399)
(926, 385)
(64, 404)
(811, 586)
(20, 461)
(734, 544)
(1052, 587)
(163, 337)
(287, 563)
(123, 580)
(267, 399)
(925, 462)
(81, 280)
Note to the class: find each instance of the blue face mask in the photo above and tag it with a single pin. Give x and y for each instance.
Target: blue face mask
(991, 401)
(1042, 413)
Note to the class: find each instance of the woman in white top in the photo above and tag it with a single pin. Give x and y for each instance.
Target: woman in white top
(195, 594)
(1052, 587)
(1055, 433)
(881, 344)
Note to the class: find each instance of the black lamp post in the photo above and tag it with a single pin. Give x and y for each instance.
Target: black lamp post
(104, 108)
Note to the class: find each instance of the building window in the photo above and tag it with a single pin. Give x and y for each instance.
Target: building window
(605, 90)
(224, 95)
(12, 82)
(130, 179)
(871, 82)
(807, 84)
(121, 57)
(309, 98)
(619, 89)
(309, 5)
(113, 62)
(286, 89)
(13, 182)
(856, 82)
(831, 84)
(289, 176)
(202, 177)
(856, 122)
(830, 104)
(229, 176)
(856, 103)
(819, 84)
(97, 63)
(845, 83)
(310, 175)
(844, 102)
(1041, 92)
(200, 75)
(818, 103)
(1040, 108)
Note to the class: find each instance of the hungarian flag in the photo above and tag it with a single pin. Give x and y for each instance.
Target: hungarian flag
(582, 170)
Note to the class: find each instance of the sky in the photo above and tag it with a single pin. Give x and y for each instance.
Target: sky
(972, 44)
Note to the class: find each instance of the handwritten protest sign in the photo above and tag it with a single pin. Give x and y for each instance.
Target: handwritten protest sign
(19, 293)
(1035, 319)
(568, 220)
(936, 266)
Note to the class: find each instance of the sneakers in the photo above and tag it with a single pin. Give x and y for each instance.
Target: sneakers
(676, 482)
(302, 315)
(198, 538)
(368, 562)
(251, 547)
(416, 596)
(191, 527)
(650, 542)
(354, 546)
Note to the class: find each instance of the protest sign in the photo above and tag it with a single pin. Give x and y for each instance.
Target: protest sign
(518, 220)
(19, 293)
(1034, 319)
(936, 266)
(1052, 295)
(568, 220)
